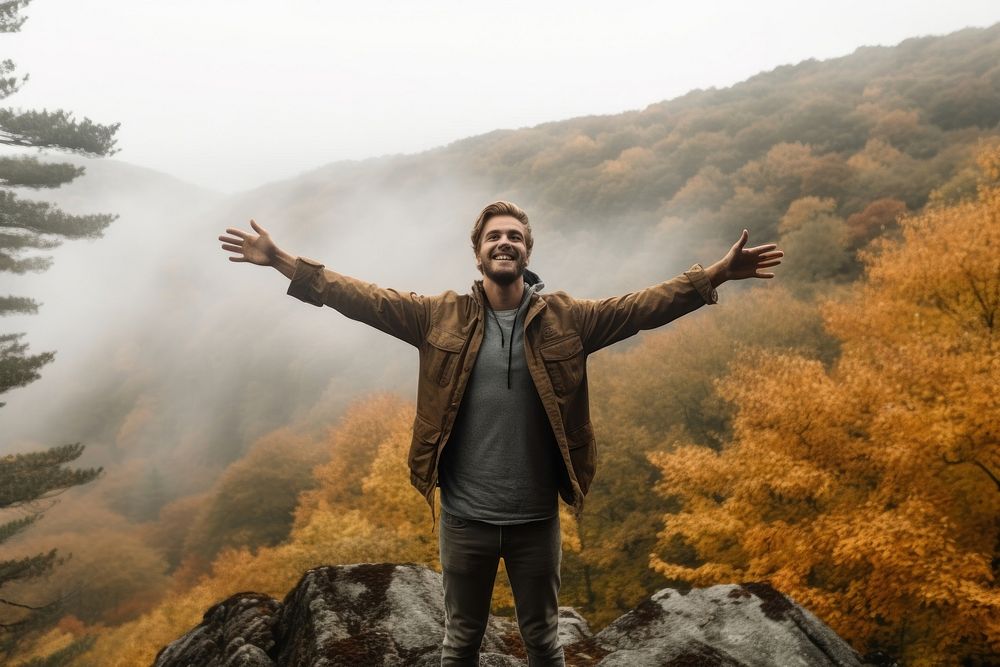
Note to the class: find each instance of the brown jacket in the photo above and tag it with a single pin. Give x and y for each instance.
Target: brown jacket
(559, 333)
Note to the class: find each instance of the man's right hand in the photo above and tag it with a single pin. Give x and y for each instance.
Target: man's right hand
(258, 249)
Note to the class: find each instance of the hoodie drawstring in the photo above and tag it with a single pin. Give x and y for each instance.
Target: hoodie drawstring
(510, 350)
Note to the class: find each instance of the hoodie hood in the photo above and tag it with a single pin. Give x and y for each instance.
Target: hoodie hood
(531, 278)
(532, 284)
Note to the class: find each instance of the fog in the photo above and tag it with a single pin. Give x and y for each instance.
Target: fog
(170, 355)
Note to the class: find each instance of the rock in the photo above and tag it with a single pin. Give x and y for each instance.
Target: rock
(728, 625)
(386, 614)
(237, 631)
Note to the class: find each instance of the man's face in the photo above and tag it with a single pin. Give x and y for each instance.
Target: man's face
(503, 254)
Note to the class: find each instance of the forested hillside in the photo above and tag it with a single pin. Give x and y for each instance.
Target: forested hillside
(832, 430)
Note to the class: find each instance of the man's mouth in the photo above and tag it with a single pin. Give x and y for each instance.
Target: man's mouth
(503, 257)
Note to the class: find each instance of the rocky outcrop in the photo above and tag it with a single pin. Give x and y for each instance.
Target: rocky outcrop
(386, 614)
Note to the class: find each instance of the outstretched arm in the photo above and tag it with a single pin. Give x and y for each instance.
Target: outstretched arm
(603, 322)
(405, 316)
(607, 321)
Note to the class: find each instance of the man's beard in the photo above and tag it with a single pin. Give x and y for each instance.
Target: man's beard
(505, 277)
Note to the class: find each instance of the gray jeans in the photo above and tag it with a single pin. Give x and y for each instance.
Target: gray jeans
(470, 554)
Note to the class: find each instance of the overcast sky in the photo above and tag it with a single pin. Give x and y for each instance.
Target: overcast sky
(231, 94)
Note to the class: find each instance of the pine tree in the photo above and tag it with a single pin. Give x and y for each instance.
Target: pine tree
(28, 479)
(25, 224)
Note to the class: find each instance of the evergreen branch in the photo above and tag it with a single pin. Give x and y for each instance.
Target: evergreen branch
(11, 264)
(56, 129)
(27, 240)
(35, 475)
(9, 84)
(24, 606)
(29, 567)
(12, 528)
(17, 304)
(16, 368)
(9, 19)
(44, 218)
(30, 172)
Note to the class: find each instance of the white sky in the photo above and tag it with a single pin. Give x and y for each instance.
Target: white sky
(231, 94)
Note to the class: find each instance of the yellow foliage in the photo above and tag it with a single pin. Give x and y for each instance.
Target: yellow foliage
(869, 492)
(352, 444)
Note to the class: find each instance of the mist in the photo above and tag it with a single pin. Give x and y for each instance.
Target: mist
(170, 354)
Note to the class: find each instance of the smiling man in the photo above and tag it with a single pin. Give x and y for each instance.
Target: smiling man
(503, 414)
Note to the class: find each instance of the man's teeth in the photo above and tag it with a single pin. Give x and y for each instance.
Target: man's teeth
(503, 257)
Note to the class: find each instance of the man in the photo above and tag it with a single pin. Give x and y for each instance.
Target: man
(503, 423)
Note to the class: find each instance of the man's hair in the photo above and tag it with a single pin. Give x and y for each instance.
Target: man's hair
(501, 208)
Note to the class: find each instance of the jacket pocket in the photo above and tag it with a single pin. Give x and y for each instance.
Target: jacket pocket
(564, 362)
(443, 352)
(583, 455)
(423, 450)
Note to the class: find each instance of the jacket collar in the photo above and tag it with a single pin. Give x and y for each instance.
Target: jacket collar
(530, 278)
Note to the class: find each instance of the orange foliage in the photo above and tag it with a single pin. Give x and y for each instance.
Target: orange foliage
(869, 493)
(351, 445)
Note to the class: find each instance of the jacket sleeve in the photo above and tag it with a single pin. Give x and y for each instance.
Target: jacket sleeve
(405, 316)
(606, 321)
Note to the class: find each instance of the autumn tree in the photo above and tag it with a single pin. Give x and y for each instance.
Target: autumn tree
(869, 492)
(816, 242)
(351, 445)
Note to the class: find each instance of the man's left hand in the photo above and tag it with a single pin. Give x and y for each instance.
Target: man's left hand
(740, 262)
